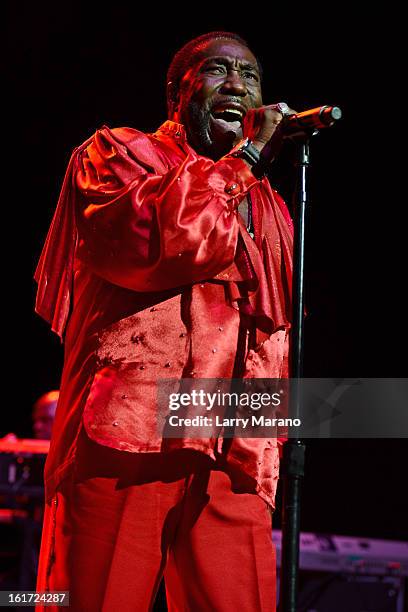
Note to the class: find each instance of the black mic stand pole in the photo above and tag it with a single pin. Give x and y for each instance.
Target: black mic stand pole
(292, 467)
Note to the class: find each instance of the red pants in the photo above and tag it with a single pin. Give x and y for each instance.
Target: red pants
(124, 519)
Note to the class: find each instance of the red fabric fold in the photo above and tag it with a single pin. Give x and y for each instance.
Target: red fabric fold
(55, 267)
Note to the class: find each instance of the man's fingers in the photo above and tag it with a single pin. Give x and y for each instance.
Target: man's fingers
(283, 109)
(261, 123)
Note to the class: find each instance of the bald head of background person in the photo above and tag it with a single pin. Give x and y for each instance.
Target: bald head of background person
(43, 415)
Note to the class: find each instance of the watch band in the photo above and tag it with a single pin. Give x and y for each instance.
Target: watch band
(246, 150)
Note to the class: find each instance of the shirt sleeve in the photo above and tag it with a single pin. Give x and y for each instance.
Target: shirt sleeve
(148, 227)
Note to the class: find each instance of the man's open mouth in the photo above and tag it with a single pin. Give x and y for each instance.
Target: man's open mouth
(228, 119)
(228, 114)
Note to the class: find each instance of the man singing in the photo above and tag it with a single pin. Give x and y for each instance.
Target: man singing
(169, 256)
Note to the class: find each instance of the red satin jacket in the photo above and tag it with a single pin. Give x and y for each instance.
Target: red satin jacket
(149, 272)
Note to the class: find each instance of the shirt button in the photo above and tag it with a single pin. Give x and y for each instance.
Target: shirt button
(232, 188)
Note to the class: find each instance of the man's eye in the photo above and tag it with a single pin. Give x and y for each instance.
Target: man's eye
(251, 75)
(215, 69)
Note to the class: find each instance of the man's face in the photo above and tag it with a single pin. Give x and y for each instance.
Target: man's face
(215, 94)
(43, 418)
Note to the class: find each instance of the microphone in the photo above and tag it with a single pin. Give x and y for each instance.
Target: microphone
(293, 126)
(313, 119)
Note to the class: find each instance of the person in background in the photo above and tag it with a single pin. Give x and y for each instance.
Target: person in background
(43, 415)
(24, 513)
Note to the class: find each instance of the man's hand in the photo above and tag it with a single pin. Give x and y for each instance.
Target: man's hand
(264, 126)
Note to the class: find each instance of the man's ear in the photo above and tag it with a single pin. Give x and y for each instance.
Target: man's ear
(173, 98)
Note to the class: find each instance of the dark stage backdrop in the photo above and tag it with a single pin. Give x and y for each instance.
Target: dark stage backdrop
(72, 67)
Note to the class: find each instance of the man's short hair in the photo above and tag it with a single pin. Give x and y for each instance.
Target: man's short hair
(183, 59)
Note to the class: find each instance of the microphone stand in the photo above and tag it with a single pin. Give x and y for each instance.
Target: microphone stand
(292, 466)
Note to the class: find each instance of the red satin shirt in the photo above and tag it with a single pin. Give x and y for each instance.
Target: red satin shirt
(150, 273)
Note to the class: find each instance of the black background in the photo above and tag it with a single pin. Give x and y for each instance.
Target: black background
(71, 67)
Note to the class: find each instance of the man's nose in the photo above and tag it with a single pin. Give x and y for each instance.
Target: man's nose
(233, 84)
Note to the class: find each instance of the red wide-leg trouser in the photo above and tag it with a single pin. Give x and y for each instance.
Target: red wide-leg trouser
(121, 520)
